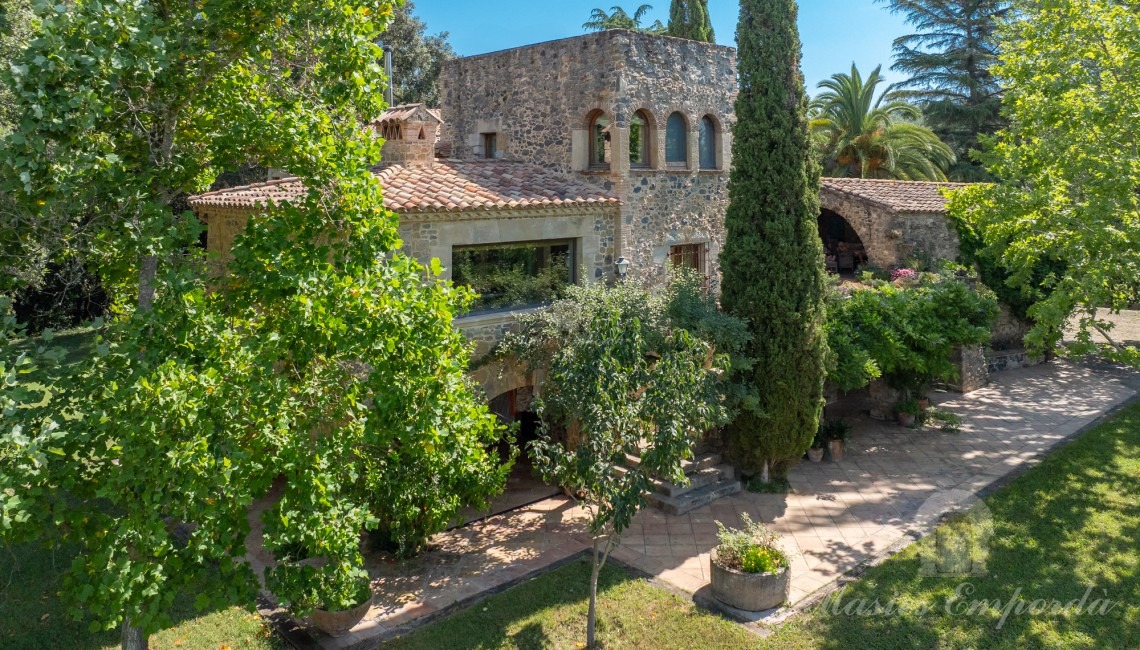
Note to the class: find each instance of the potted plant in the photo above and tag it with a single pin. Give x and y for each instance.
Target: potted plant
(908, 411)
(835, 434)
(344, 600)
(815, 452)
(748, 569)
(335, 595)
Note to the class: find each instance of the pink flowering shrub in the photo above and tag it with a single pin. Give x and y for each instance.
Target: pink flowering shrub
(907, 276)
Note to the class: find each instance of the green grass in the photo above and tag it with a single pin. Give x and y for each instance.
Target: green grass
(1069, 524)
(550, 612)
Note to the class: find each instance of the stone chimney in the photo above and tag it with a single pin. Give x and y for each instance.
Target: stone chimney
(410, 133)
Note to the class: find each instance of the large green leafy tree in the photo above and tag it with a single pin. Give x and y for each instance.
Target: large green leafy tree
(417, 57)
(618, 18)
(773, 257)
(949, 60)
(623, 380)
(1070, 168)
(690, 19)
(865, 136)
(289, 387)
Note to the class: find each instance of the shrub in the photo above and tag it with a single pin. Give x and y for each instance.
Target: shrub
(752, 539)
(761, 559)
(905, 334)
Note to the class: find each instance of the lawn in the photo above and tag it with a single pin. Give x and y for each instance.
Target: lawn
(1067, 525)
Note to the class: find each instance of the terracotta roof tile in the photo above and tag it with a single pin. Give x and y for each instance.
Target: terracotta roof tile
(446, 186)
(913, 197)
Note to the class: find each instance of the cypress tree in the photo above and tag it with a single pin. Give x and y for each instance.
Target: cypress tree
(773, 256)
(690, 19)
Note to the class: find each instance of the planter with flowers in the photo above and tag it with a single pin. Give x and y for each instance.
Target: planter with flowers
(749, 571)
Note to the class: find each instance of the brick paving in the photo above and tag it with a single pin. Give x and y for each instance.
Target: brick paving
(838, 516)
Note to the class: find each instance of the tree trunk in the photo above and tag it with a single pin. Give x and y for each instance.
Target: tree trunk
(591, 618)
(148, 271)
(133, 637)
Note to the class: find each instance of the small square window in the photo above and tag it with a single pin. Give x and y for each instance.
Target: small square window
(689, 256)
(490, 145)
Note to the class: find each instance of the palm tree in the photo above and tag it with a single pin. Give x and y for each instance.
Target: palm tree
(619, 19)
(867, 137)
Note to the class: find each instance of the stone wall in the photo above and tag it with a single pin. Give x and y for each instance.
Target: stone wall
(891, 238)
(539, 99)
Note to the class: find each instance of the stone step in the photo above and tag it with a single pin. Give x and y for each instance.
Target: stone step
(679, 505)
(697, 480)
(692, 466)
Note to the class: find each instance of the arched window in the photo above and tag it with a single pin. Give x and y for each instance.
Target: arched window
(600, 154)
(640, 134)
(708, 143)
(676, 140)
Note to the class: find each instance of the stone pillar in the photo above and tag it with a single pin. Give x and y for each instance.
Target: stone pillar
(973, 369)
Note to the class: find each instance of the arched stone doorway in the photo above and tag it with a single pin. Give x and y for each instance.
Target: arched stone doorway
(843, 248)
(524, 485)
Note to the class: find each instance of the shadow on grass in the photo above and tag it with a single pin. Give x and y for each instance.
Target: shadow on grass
(34, 615)
(550, 612)
(1066, 526)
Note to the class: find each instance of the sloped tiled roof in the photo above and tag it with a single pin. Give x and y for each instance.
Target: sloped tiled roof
(446, 186)
(906, 197)
(408, 111)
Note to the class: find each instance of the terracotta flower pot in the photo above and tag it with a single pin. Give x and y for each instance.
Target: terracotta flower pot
(924, 403)
(906, 419)
(339, 623)
(751, 592)
(835, 448)
(815, 454)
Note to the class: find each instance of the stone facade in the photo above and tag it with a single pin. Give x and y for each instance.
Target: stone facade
(889, 237)
(542, 100)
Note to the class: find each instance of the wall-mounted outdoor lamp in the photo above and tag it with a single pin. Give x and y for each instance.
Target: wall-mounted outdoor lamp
(622, 265)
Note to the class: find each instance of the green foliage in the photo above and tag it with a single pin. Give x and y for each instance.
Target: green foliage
(620, 380)
(906, 334)
(417, 57)
(1064, 220)
(861, 136)
(949, 60)
(289, 387)
(618, 18)
(833, 430)
(946, 421)
(772, 260)
(690, 19)
(333, 587)
(997, 275)
(909, 406)
(511, 276)
(761, 559)
(754, 539)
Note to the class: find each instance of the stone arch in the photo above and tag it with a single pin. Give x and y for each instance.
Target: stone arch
(869, 224)
(502, 377)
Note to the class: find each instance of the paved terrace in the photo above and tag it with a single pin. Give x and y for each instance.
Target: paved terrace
(839, 516)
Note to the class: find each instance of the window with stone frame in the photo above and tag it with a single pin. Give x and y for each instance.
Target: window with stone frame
(514, 275)
(490, 145)
(639, 140)
(677, 141)
(708, 143)
(600, 152)
(689, 256)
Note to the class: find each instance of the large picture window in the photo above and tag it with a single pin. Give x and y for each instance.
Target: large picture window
(514, 275)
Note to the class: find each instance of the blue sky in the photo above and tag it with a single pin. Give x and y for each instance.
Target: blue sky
(834, 32)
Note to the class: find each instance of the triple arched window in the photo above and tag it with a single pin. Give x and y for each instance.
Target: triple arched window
(643, 141)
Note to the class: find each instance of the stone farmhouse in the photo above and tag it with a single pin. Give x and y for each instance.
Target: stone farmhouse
(585, 159)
